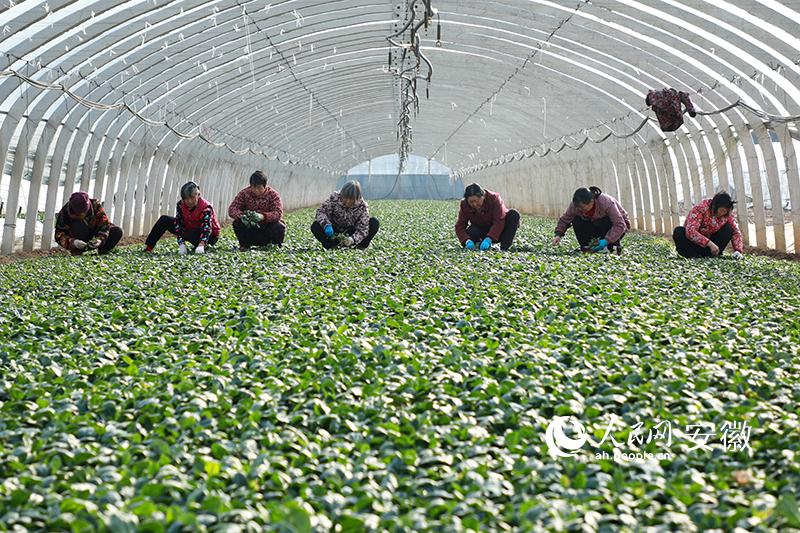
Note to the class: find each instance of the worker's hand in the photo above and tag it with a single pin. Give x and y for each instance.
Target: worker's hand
(201, 249)
(79, 244)
(737, 255)
(713, 247)
(486, 244)
(328, 229)
(251, 218)
(469, 245)
(556, 240)
(182, 249)
(601, 244)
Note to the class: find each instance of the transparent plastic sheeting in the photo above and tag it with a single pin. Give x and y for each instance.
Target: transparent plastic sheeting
(407, 186)
(129, 99)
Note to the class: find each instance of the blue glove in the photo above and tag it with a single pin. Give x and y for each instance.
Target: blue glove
(486, 244)
(602, 243)
(469, 245)
(328, 231)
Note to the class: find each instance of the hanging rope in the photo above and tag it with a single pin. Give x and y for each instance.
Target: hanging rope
(407, 75)
(297, 80)
(513, 74)
(92, 82)
(528, 152)
(766, 116)
(159, 124)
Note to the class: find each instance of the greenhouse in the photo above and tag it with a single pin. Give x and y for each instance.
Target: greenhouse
(305, 265)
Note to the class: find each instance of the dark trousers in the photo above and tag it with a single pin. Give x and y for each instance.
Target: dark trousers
(261, 235)
(586, 230)
(478, 233)
(327, 243)
(688, 248)
(78, 229)
(165, 224)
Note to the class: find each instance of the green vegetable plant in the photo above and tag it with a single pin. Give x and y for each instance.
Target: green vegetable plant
(250, 218)
(340, 238)
(406, 388)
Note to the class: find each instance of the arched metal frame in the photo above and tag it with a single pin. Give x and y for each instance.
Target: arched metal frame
(303, 87)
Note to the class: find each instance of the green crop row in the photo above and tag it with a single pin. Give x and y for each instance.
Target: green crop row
(408, 387)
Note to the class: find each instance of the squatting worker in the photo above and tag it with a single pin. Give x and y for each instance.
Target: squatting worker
(82, 225)
(483, 220)
(709, 227)
(195, 221)
(343, 220)
(594, 215)
(257, 214)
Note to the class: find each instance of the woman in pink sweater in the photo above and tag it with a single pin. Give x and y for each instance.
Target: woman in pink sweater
(594, 215)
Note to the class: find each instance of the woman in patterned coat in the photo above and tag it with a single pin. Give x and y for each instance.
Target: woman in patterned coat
(82, 225)
(343, 220)
(257, 213)
(709, 227)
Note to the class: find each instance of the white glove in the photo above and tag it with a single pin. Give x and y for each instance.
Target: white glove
(79, 244)
(93, 244)
(556, 240)
(259, 217)
(348, 242)
(737, 255)
(201, 249)
(182, 249)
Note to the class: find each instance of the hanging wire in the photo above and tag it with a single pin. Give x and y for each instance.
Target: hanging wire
(407, 76)
(300, 82)
(522, 153)
(514, 73)
(528, 152)
(123, 106)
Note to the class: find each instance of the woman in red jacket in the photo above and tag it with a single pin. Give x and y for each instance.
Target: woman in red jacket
(709, 227)
(483, 220)
(194, 221)
(594, 215)
(257, 213)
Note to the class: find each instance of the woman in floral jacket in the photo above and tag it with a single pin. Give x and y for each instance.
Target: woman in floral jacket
(83, 225)
(347, 214)
(709, 227)
(257, 213)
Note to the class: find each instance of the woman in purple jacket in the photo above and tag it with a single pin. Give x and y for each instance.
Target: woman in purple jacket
(483, 220)
(593, 214)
